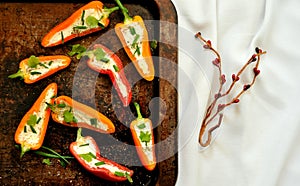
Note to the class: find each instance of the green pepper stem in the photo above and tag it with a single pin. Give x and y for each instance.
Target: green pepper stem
(138, 110)
(19, 74)
(108, 11)
(79, 135)
(24, 149)
(124, 10)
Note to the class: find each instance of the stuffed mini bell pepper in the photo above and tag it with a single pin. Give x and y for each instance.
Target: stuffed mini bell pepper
(88, 19)
(87, 153)
(32, 128)
(34, 68)
(102, 60)
(142, 133)
(71, 113)
(134, 38)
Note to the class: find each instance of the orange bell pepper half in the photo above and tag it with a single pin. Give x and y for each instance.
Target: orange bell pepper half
(134, 38)
(90, 18)
(71, 113)
(32, 128)
(142, 133)
(34, 68)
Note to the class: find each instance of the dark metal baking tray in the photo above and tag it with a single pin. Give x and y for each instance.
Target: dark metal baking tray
(22, 26)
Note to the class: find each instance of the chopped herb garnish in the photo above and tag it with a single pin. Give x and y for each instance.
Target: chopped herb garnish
(101, 25)
(33, 61)
(105, 60)
(93, 122)
(46, 161)
(50, 63)
(62, 37)
(153, 44)
(82, 17)
(69, 117)
(32, 120)
(116, 68)
(83, 145)
(99, 54)
(39, 119)
(120, 174)
(79, 27)
(137, 50)
(128, 177)
(77, 49)
(52, 107)
(136, 38)
(132, 30)
(32, 129)
(145, 137)
(100, 163)
(25, 129)
(141, 126)
(43, 65)
(54, 96)
(35, 73)
(101, 18)
(91, 21)
(88, 156)
(61, 105)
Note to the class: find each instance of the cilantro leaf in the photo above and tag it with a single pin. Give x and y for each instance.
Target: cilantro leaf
(33, 61)
(69, 116)
(99, 54)
(153, 45)
(32, 120)
(145, 137)
(46, 161)
(91, 21)
(77, 49)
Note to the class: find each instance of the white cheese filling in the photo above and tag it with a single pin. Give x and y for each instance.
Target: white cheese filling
(46, 66)
(110, 66)
(29, 136)
(134, 43)
(85, 149)
(70, 29)
(80, 116)
(147, 149)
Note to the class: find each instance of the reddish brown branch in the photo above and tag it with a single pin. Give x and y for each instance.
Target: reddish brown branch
(212, 111)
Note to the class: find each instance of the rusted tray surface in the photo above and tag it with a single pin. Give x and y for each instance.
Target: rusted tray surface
(22, 26)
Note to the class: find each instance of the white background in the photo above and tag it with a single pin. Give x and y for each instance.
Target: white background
(259, 142)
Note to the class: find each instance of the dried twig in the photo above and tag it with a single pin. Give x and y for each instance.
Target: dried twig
(214, 109)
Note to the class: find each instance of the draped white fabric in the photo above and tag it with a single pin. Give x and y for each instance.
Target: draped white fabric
(259, 141)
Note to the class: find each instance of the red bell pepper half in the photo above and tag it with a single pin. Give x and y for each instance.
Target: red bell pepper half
(104, 61)
(87, 153)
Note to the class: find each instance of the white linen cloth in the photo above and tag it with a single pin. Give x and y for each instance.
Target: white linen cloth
(259, 141)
